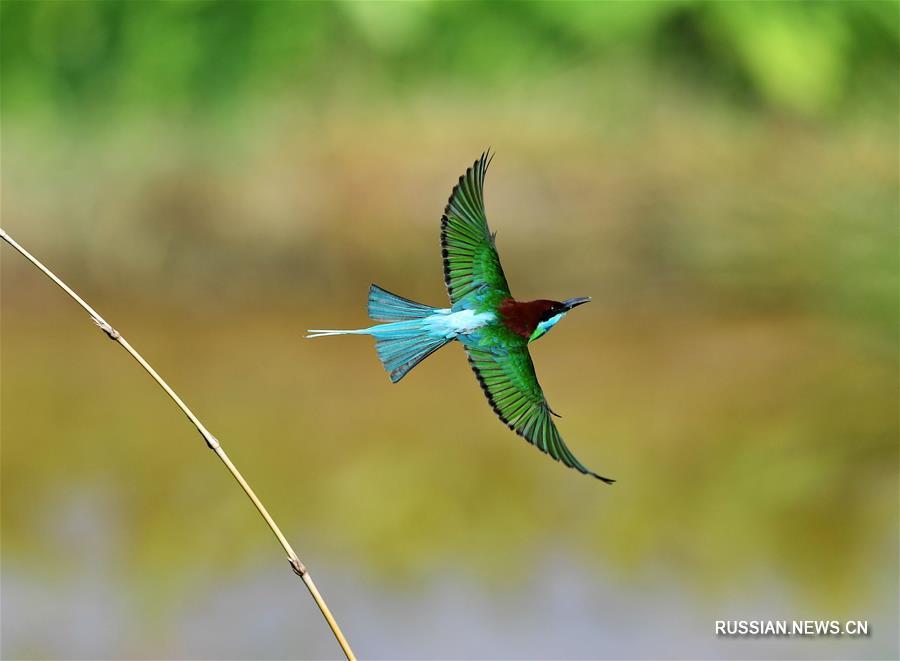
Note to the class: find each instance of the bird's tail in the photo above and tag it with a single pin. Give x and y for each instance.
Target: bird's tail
(385, 306)
(406, 341)
(404, 344)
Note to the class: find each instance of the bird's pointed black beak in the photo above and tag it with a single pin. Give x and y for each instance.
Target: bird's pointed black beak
(575, 302)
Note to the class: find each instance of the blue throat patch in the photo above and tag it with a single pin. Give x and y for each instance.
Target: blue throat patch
(544, 326)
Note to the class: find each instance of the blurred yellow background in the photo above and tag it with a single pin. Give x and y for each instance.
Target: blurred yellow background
(215, 178)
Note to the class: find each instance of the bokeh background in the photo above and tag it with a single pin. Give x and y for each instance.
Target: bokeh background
(215, 178)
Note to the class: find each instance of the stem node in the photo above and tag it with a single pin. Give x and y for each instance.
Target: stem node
(105, 326)
(298, 567)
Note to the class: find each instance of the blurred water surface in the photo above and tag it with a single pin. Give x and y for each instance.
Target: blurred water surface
(736, 371)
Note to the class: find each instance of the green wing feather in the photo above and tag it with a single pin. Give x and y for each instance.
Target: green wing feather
(508, 379)
(471, 263)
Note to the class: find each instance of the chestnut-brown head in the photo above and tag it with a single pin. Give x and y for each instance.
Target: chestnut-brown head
(532, 319)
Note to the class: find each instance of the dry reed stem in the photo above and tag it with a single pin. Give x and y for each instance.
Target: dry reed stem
(298, 567)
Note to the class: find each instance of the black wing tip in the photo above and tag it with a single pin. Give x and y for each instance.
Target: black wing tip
(581, 468)
(479, 167)
(605, 480)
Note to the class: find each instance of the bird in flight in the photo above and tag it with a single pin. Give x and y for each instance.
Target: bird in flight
(493, 327)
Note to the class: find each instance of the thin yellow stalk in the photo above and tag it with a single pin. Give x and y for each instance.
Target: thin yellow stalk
(298, 567)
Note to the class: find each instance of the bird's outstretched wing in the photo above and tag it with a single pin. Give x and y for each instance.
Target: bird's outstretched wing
(508, 379)
(471, 263)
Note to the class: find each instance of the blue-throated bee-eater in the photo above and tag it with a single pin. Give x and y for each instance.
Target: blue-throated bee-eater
(494, 328)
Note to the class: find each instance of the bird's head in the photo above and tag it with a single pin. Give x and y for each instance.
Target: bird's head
(553, 312)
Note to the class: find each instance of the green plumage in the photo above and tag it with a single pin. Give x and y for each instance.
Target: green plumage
(472, 269)
(498, 356)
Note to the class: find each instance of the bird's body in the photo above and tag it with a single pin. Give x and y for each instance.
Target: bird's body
(494, 328)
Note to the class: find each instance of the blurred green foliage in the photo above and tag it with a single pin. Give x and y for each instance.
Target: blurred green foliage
(113, 57)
